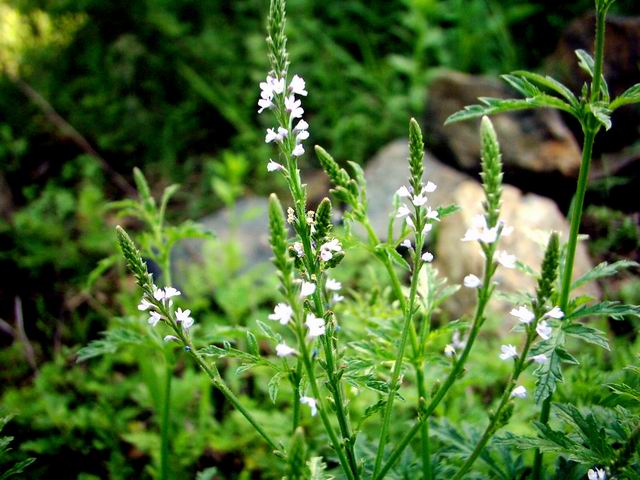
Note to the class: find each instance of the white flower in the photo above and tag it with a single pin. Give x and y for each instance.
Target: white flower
(419, 200)
(274, 166)
(430, 187)
(432, 214)
(307, 289)
(597, 474)
(298, 151)
(555, 312)
(540, 359)
(403, 192)
(303, 135)
(480, 231)
(508, 351)
(449, 351)
(523, 314)
(264, 103)
(409, 221)
(171, 292)
(505, 259)
(327, 249)
(519, 392)
(282, 313)
(427, 257)
(154, 318)
(489, 235)
(544, 330)
(284, 350)
(158, 293)
(293, 106)
(403, 211)
(427, 228)
(471, 281)
(506, 230)
(337, 298)
(297, 86)
(456, 341)
(313, 405)
(144, 305)
(333, 285)
(277, 84)
(301, 126)
(273, 135)
(185, 318)
(315, 325)
(298, 248)
(170, 338)
(406, 243)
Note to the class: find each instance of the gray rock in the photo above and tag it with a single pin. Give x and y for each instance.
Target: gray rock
(534, 140)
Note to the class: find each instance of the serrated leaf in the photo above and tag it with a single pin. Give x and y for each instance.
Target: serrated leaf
(632, 95)
(625, 390)
(549, 83)
(613, 309)
(587, 334)
(603, 270)
(112, 340)
(317, 469)
(268, 331)
(549, 374)
(274, 386)
(585, 61)
(602, 114)
(448, 210)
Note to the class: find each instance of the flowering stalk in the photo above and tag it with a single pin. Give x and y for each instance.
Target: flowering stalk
(315, 252)
(159, 303)
(487, 230)
(534, 327)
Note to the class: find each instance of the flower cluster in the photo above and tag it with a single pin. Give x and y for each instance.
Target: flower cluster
(160, 300)
(417, 200)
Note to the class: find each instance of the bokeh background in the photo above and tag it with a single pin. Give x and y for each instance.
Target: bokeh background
(91, 88)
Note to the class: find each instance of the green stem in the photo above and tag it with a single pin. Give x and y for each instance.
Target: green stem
(567, 274)
(599, 53)
(483, 298)
(296, 396)
(164, 426)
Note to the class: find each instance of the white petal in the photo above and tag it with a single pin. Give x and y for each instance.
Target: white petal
(471, 281)
(427, 257)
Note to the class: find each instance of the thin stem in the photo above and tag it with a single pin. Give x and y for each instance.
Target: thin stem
(397, 367)
(483, 298)
(296, 396)
(164, 424)
(567, 274)
(599, 54)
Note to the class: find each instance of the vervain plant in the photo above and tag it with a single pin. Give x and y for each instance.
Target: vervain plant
(312, 354)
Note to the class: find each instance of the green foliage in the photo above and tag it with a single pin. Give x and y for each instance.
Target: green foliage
(8, 468)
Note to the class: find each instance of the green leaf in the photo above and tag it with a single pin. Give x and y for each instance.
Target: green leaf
(603, 270)
(103, 265)
(625, 390)
(274, 386)
(448, 210)
(390, 251)
(585, 61)
(602, 114)
(317, 469)
(252, 344)
(492, 106)
(549, 83)
(111, 342)
(632, 95)
(587, 334)
(615, 310)
(549, 374)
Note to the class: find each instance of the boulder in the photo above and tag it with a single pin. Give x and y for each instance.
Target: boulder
(533, 218)
(534, 140)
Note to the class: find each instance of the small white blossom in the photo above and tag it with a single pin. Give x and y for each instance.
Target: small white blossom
(313, 405)
(327, 249)
(479, 231)
(555, 312)
(298, 151)
(597, 474)
(523, 314)
(403, 192)
(544, 330)
(315, 325)
(144, 305)
(297, 86)
(307, 289)
(273, 135)
(508, 351)
(419, 200)
(154, 318)
(291, 215)
(427, 257)
(471, 281)
(427, 228)
(457, 342)
(301, 136)
(170, 338)
(505, 259)
(284, 350)
(282, 313)
(406, 243)
(170, 292)
(158, 293)
(184, 317)
(506, 229)
(432, 214)
(301, 126)
(333, 285)
(403, 211)
(409, 221)
(299, 249)
(274, 166)
(337, 298)
(519, 392)
(293, 106)
(264, 103)
(540, 359)
(449, 351)
(430, 187)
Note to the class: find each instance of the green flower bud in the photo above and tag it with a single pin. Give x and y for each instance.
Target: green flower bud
(549, 270)
(276, 39)
(323, 221)
(132, 256)
(338, 176)
(491, 171)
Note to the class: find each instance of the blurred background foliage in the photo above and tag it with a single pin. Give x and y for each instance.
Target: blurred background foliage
(91, 88)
